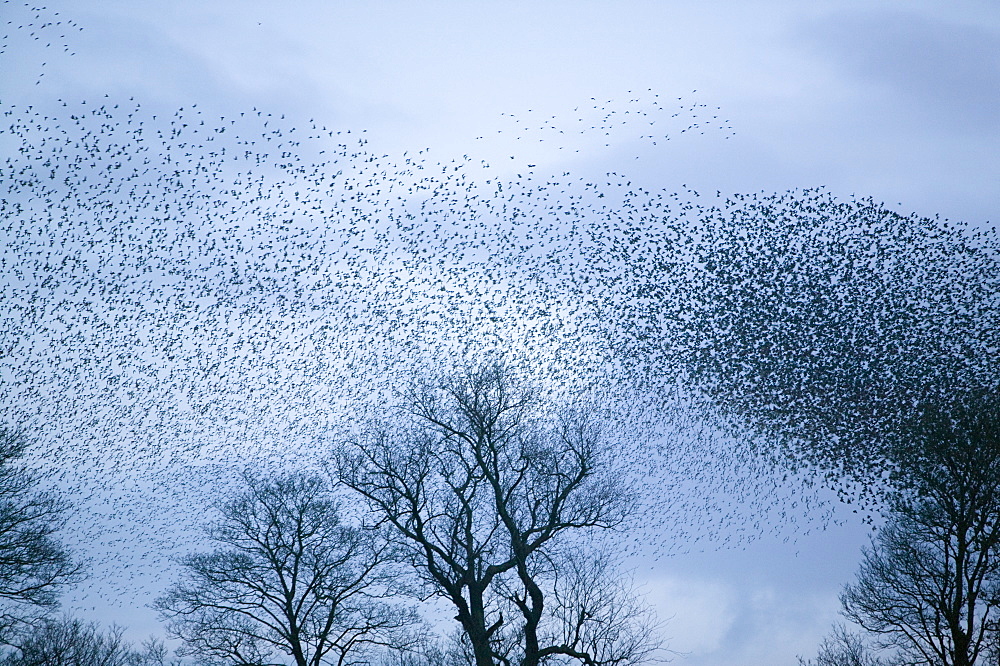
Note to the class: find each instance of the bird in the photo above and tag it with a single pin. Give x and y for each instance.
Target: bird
(186, 295)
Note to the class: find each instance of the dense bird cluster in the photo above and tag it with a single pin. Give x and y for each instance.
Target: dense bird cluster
(186, 295)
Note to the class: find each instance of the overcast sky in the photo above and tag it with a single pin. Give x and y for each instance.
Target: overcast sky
(899, 101)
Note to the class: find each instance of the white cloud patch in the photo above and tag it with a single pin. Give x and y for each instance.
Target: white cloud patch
(719, 622)
(697, 613)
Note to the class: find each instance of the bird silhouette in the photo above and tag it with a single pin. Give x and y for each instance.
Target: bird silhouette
(186, 295)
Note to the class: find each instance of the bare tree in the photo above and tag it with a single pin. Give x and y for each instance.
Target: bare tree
(69, 641)
(598, 616)
(153, 652)
(930, 583)
(482, 482)
(450, 650)
(34, 565)
(843, 648)
(288, 577)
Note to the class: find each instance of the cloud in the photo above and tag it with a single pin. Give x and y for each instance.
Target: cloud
(718, 621)
(698, 613)
(948, 69)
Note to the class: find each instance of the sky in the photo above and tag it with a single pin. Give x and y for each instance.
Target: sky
(899, 101)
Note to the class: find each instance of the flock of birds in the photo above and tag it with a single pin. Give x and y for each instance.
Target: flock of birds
(640, 119)
(186, 295)
(36, 29)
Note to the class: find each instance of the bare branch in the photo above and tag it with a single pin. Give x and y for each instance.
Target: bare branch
(482, 481)
(289, 577)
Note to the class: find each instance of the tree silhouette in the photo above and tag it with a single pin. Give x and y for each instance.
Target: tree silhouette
(930, 583)
(69, 641)
(484, 486)
(288, 576)
(34, 565)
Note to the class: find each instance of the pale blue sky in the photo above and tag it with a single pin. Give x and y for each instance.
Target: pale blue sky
(895, 100)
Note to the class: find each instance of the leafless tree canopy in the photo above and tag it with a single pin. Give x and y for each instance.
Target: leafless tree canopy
(483, 483)
(69, 641)
(288, 577)
(34, 566)
(843, 648)
(930, 584)
(597, 615)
